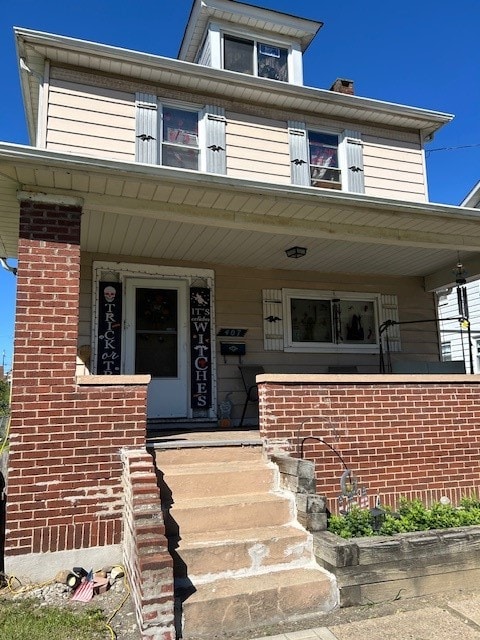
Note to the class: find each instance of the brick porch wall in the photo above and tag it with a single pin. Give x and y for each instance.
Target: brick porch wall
(64, 478)
(412, 436)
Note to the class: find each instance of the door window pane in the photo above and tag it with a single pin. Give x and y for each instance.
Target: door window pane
(156, 332)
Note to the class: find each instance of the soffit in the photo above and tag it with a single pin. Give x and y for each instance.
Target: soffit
(158, 213)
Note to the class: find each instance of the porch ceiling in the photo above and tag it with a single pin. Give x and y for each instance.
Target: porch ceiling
(161, 213)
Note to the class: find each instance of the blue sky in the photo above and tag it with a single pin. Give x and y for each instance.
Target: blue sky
(423, 53)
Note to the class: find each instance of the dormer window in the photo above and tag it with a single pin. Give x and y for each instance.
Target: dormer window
(255, 58)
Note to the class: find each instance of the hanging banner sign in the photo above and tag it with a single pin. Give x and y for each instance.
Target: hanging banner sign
(200, 348)
(109, 343)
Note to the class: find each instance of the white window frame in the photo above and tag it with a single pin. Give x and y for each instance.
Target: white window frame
(331, 296)
(243, 35)
(184, 106)
(446, 350)
(341, 154)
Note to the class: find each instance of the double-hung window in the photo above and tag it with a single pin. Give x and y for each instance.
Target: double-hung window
(326, 159)
(319, 321)
(179, 138)
(255, 58)
(180, 135)
(323, 160)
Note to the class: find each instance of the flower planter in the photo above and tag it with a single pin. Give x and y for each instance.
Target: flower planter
(406, 565)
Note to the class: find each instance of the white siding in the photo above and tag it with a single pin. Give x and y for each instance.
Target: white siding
(451, 330)
(393, 169)
(91, 121)
(257, 149)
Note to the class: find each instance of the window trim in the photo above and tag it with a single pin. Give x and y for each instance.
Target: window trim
(341, 154)
(331, 347)
(183, 106)
(256, 40)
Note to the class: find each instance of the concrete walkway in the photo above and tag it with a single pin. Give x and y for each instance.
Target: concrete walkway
(448, 616)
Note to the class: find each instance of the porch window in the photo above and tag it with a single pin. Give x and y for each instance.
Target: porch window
(323, 160)
(317, 321)
(255, 58)
(179, 140)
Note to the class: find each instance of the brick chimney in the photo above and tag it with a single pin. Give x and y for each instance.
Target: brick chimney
(343, 86)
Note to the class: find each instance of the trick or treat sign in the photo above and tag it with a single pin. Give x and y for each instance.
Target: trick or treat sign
(200, 348)
(109, 328)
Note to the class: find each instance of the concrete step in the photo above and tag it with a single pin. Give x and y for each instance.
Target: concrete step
(233, 605)
(219, 478)
(226, 513)
(207, 556)
(192, 455)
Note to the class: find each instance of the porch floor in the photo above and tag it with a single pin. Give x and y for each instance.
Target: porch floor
(198, 435)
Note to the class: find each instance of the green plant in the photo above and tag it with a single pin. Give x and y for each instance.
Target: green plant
(27, 620)
(412, 516)
(4, 398)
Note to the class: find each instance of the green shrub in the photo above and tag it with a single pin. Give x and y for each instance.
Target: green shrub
(412, 516)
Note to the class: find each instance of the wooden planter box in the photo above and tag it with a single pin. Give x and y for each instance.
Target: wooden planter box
(406, 565)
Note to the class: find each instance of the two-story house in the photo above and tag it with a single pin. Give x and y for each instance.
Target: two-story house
(174, 218)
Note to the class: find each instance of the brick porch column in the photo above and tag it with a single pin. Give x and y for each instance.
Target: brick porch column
(43, 376)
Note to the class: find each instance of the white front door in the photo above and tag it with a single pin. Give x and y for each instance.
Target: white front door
(156, 342)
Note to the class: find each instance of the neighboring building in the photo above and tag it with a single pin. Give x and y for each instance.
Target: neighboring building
(458, 341)
(171, 214)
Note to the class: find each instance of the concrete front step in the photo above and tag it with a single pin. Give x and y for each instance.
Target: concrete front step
(198, 454)
(250, 551)
(234, 605)
(226, 513)
(219, 478)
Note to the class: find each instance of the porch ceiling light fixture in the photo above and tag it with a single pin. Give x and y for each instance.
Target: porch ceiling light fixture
(296, 252)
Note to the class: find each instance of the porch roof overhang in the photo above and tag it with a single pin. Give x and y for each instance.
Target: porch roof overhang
(160, 213)
(35, 47)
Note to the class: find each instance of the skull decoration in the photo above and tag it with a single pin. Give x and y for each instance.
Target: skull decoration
(109, 293)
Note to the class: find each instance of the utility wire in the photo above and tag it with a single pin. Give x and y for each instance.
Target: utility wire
(464, 146)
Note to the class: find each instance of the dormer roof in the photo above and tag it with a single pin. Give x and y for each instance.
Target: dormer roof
(251, 18)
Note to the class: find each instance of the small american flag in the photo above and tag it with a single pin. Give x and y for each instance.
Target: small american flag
(84, 591)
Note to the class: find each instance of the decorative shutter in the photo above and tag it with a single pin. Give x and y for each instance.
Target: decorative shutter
(389, 311)
(354, 155)
(146, 128)
(215, 140)
(298, 141)
(272, 320)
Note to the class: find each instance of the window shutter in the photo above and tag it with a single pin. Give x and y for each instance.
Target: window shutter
(354, 161)
(272, 320)
(298, 141)
(389, 311)
(146, 128)
(215, 140)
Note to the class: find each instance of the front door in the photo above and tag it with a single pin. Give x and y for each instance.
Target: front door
(156, 342)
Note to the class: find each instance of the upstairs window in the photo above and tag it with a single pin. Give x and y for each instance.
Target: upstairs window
(179, 140)
(255, 58)
(323, 160)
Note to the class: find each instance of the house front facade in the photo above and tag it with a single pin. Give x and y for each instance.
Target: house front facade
(176, 218)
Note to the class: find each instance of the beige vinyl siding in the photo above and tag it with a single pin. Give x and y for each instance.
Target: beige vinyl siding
(257, 149)
(393, 169)
(238, 304)
(90, 121)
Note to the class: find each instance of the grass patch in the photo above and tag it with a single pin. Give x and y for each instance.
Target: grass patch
(28, 620)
